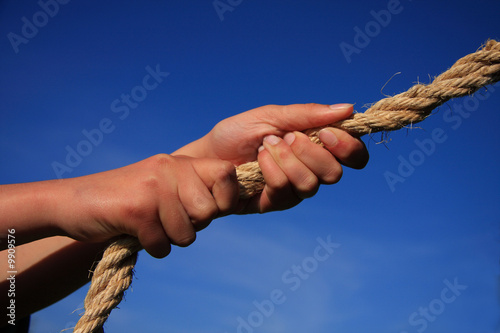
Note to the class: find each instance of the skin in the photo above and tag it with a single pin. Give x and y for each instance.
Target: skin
(166, 199)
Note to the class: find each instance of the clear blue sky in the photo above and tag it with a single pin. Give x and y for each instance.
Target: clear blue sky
(415, 255)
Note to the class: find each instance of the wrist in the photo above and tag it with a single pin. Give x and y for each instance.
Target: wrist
(32, 209)
(197, 149)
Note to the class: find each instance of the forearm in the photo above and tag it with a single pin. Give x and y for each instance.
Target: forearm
(47, 270)
(31, 210)
(64, 207)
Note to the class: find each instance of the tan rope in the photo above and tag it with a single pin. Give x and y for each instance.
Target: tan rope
(113, 274)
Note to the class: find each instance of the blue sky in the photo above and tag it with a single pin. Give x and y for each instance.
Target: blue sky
(419, 255)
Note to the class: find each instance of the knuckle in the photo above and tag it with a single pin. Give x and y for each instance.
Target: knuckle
(201, 224)
(363, 158)
(160, 160)
(309, 187)
(278, 183)
(301, 144)
(356, 154)
(284, 153)
(207, 211)
(310, 107)
(186, 240)
(333, 175)
(204, 211)
(224, 170)
(355, 147)
(158, 164)
(357, 158)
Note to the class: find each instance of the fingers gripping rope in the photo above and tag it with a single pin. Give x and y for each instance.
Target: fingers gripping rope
(113, 274)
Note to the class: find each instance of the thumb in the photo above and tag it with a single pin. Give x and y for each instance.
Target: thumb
(298, 117)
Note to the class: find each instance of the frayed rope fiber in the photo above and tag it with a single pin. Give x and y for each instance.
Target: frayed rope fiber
(113, 274)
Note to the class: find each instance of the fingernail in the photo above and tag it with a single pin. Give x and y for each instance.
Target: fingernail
(340, 107)
(328, 137)
(289, 138)
(272, 139)
(261, 148)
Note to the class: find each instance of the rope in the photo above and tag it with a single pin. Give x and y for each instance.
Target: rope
(113, 274)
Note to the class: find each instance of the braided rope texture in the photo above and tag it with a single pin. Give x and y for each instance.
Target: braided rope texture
(113, 274)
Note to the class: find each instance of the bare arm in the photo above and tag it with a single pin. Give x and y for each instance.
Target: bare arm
(30, 210)
(47, 270)
(161, 200)
(166, 199)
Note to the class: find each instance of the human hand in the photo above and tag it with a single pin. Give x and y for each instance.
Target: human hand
(161, 200)
(293, 167)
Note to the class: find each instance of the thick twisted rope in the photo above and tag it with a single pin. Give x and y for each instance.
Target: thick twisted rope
(113, 274)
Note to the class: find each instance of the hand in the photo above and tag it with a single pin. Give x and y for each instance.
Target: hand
(293, 166)
(162, 200)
